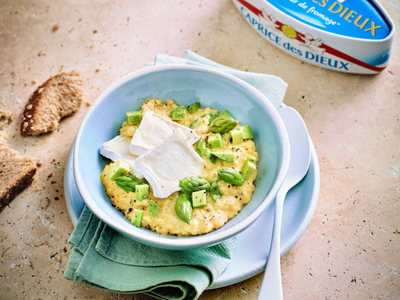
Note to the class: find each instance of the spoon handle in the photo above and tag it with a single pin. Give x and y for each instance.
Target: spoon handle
(271, 287)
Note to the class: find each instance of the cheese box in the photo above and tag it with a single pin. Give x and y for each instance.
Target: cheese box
(346, 36)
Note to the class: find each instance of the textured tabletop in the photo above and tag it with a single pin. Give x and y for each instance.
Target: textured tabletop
(350, 249)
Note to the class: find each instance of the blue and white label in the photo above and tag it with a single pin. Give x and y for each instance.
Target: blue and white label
(353, 18)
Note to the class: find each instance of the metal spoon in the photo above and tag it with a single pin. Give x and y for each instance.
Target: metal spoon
(300, 155)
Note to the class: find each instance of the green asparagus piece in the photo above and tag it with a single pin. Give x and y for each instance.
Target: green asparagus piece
(215, 192)
(225, 113)
(183, 208)
(212, 117)
(128, 183)
(199, 199)
(194, 183)
(154, 208)
(248, 169)
(247, 132)
(120, 167)
(222, 124)
(193, 108)
(178, 113)
(142, 191)
(209, 154)
(201, 147)
(204, 151)
(196, 123)
(137, 217)
(250, 158)
(237, 136)
(231, 176)
(226, 156)
(215, 140)
(133, 117)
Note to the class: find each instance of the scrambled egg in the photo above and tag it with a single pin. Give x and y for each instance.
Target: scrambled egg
(205, 219)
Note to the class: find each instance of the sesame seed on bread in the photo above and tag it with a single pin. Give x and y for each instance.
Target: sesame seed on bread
(60, 96)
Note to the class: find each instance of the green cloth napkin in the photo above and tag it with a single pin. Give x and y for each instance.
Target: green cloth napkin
(272, 87)
(102, 258)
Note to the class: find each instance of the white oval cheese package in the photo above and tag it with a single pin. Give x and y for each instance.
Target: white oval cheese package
(347, 36)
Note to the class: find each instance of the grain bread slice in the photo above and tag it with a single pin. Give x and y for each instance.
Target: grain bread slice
(60, 96)
(16, 172)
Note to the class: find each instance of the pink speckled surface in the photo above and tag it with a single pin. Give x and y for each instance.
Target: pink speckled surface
(351, 247)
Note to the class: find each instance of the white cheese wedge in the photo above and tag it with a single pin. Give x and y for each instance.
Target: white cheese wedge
(118, 148)
(172, 160)
(154, 129)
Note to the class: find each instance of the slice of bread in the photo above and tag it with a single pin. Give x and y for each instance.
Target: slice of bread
(60, 96)
(16, 173)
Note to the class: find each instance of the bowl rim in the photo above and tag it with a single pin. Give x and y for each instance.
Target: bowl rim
(191, 241)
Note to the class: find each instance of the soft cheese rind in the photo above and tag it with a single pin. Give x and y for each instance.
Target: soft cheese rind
(164, 165)
(153, 130)
(118, 148)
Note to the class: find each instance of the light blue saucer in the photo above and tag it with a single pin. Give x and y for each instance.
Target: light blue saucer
(253, 243)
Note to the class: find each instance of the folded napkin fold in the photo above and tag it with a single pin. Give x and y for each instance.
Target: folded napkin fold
(101, 257)
(271, 86)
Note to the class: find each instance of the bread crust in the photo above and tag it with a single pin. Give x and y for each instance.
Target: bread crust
(16, 173)
(21, 184)
(59, 97)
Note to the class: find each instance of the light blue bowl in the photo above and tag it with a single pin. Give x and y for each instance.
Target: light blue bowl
(185, 85)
